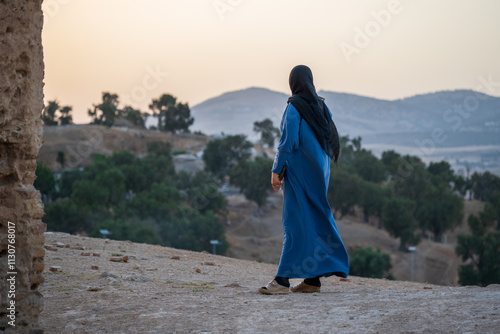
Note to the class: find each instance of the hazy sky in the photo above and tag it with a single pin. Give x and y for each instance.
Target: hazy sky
(198, 49)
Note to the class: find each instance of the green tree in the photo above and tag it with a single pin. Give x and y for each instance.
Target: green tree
(183, 211)
(485, 185)
(439, 209)
(107, 111)
(112, 181)
(373, 197)
(431, 188)
(479, 251)
(131, 229)
(135, 116)
(49, 113)
(441, 172)
(172, 116)
(202, 192)
(347, 151)
(66, 216)
(65, 118)
(343, 191)
(356, 144)
(366, 262)
(188, 229)
(89, 194)
(268, 133)
(368, 166)
(136, 179)
(121, 158)
(161, 201)
(492, 209)
(44, 181)
(68, 178)
(253, 180)
(460, 185)
(391, 161)
(398, 219)
(158, 164)
(222, 156)
(411, 179)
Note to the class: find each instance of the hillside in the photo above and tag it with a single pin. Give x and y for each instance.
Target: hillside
(235, 112)
(80, 142)
(165, 290)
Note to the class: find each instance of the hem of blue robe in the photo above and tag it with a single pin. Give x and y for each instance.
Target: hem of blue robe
(336, 273)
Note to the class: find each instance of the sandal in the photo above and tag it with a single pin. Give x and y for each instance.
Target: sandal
(303, 287)
(273, 288)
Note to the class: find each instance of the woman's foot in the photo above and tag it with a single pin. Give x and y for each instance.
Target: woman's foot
(303, 287)
(273, 288)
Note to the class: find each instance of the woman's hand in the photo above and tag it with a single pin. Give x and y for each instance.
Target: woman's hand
(275, 182)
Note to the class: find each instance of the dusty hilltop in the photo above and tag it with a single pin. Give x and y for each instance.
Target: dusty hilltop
(106, 286)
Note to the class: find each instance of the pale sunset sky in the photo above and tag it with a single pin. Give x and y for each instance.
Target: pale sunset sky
(198, 49)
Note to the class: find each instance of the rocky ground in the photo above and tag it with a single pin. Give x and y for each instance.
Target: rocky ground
(163, 290)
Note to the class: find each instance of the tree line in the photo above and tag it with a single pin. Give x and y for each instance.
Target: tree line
(480, 249)
(410, 199)
(399, 192)
(137, 199)
(172, 115)
(428, 198)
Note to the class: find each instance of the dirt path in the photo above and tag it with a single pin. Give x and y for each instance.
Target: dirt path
(164, 290)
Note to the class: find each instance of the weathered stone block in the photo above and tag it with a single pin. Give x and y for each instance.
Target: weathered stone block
(21, 103)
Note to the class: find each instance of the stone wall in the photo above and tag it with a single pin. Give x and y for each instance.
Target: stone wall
(21, 102)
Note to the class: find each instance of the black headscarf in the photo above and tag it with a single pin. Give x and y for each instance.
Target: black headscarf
(313, 109)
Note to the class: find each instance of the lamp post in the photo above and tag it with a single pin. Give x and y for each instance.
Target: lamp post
(412, 250)
(214, 243)
(104, 233)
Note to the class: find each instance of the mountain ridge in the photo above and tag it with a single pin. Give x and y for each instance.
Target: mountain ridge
(436, 109)
(421, 123)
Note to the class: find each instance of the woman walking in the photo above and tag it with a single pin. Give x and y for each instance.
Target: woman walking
(312, 247)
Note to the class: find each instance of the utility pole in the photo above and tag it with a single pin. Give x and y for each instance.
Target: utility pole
(412, 250)
(214, 243)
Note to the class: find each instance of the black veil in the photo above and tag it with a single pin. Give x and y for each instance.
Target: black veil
(313, 109)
